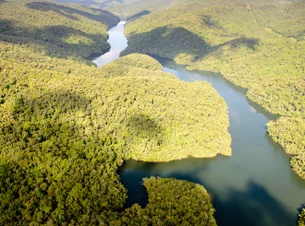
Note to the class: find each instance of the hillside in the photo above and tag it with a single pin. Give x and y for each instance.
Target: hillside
(78, 30)
(138, 8)
(253, 45)
(126, 8)
(66, 127)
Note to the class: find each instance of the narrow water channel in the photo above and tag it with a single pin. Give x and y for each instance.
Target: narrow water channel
(254, 187)
(117, 41)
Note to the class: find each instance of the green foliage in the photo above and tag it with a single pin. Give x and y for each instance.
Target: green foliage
(227, 38)
(290, 134)
(248, 44)
(171, 202)
(301, 221)
(79, 30)
(146, 62)
(66, 127)
(285, 19)
(258, 45)
(137, 8)
(65, 130)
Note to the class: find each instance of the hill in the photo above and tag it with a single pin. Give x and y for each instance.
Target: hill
(127, 9)
(82, 31)
(66, 127)
(257, 45)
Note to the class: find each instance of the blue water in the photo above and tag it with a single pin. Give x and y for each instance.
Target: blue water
(254, 187)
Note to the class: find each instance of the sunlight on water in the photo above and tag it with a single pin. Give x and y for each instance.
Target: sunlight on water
(118, 43)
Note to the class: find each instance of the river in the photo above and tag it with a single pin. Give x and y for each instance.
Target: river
(254, 187)
(117, 41)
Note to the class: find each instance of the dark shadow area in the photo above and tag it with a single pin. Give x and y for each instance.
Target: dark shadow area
(300, 35)
(252, 207)
(208, 21)
(171, 42)
(255, 207)
(138, 15)
(56, 154)
(132, 172)
(86, 3)
(250, 43)
(144, 125)
(100, 3)
(55, 36)
(168, 42)
(50, 104)
(98, 15)
(258, 108)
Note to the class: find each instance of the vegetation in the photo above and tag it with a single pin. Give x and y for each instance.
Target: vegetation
(128, 9)
(258, 45)
(248, 44)
(301, 221)
(171, 202)
(138, 8)
(66, 127)
(290, 133)
(79, 30)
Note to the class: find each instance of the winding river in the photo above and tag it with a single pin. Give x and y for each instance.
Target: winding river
(254, 187)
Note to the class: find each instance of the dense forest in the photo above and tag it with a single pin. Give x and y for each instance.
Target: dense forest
(76, 29)
(66, 127)
(127, 9)
(258, 45)
(247, 43)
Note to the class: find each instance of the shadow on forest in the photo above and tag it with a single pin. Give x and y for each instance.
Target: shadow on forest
(144, 127)
(253, 207)
(138, 15)
(69, 12)
(54, 36)
(171, 42)
(86, 3)
(208, 21)
(49, 104)
(45, 149)
(100, 4)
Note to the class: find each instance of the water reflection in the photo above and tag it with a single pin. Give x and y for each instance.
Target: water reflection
(253, 187)
(118, 43)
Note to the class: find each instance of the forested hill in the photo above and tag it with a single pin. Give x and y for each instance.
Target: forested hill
(66, 127)
(258, 45)
(127, 8)
(78, 30)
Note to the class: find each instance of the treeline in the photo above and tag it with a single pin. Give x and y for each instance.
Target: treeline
(80, 30)
(64, 135)
(66, 127)
(290, 134)
(171, 202)
(257, 45)
(231, 38)
(126, 8)
(301, 221)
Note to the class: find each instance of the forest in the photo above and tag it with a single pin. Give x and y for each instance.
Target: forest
(251, 45)
(258, 45)
(67, 127)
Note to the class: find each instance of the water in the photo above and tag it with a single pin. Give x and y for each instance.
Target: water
(117, 41)
(254, 187)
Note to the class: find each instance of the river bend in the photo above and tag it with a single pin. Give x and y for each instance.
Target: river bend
(254, 187)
